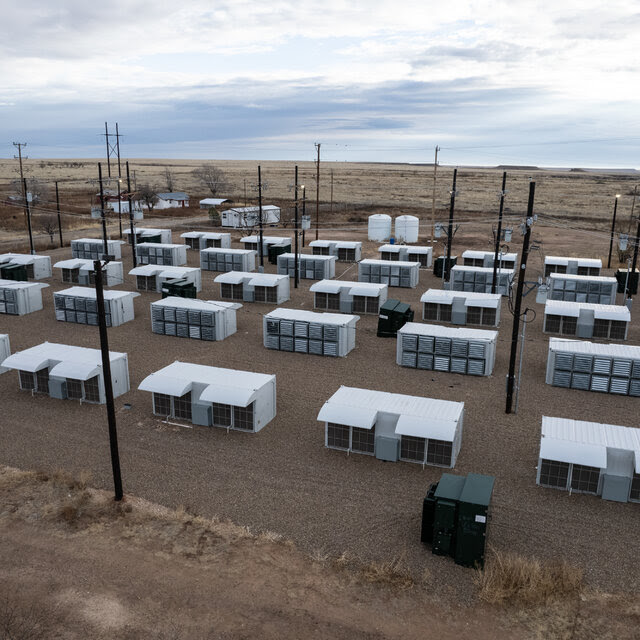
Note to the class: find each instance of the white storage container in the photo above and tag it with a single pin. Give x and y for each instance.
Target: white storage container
(394, 273)
(461, 307)
(479, 279)
(206, 240)
(19, 298)
(38, 267)
(584, 320)
(379, 227)
(310, 266)
(93, 249)
(349, 297)
(164, 254)
(423, 255)
(253, 287)
(253, 243)
(572, 288)
(485, 259)
(574, 266)
(151, 277)
(143, 233)
(227, 260)
(407, 228)
(248, 217)
(343, 250)
(79, 305)
(456, 350)
(79, 271)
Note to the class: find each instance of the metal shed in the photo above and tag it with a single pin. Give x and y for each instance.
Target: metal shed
(147, 234)
(213, 397)
(343, 250)
(79, 305)
(405, 253)
(585, 320)
(189, 318)
(93, 249)
(393, 426)
(572, 288)
(590, 457)
(36, 267)
(253, 243)
(394, 273)
(80, 271)
(575, 266)
(206, 240)
(472, 258)
(608, 368)
(461, 307)
(227, 260)
(310, 266)
(349, 297)
(452, 349)
(479, 279)
(165, 254)
(68, 372)
(322, 334)
(5, 350)
(18, 298)
(151, 277)
(243, 217)
(253, 287)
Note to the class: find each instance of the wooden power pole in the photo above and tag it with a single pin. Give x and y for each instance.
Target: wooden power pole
(433, 195)
(317, 189)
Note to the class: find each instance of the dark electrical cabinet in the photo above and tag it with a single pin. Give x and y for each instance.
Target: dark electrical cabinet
(393, 315)
(438, 265)
(274, 250)
(631, 280)
(178, 287)
(455, 516)
(14, 272)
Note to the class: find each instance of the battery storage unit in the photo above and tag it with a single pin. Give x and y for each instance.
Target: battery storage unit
(199, 240)
(461, 307)
(407, 253)
(472, 258)
(321, 334)
(227, 260)
(343, 250)
(30, 267)
(79, 271)
(151, 277)
(394, 273)
(585, 320)
(19, 298)
(252, 243)
(348, 297)
(452, 349)
(162, 254)
(589, 366)
(573, 288)
(146, 234)
(309, 266)
(479, 279)
(574, 266)
(253, 287)
(198, 319)
(93, 249)
(79, 305)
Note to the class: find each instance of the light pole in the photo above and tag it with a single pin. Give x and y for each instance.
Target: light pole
(613, 228)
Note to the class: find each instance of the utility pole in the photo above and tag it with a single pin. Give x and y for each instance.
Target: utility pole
(433, 195)
(452, 204)
(105, 244)
(19, 145)
(133, 235)
(304, 209)
(28, 214)
(635, 257)
(296, 272)
(106, 373)
(245, 191)
(58, 209)
(633, 204)
(317, 189)
(331, 205)
(119, 181)
(613, 229)
(106, 137)
(260, 207)
(518, 303)
(499, 233)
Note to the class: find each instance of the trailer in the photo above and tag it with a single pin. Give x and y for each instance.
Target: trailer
(79, 271)
(79, 305)
(249, 217)
(227, 260)
(19, 298)
(253, 287)
(349, 297)
(199, 240)
(394, 273)
(461, 307)
(19, 266)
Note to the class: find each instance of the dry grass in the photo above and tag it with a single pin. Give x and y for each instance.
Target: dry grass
(509, 578)
(393, 573)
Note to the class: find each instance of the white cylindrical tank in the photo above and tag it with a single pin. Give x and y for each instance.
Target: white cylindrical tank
(407, 228)
(379, 227)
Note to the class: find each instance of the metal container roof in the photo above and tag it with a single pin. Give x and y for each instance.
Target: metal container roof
(158, 269)
(195, 304)
(267, 239)
(89, 292)
(144, 231)
(582, 262)
(471, 298)
(470, 253)
(600, 311)
(573, 276)
(256, 279)
(21, 258)
(97, 241)
(309, 256)
(438, 330)
(312, 316)
(395, 263)
(228, 251)
(462, 267)
(211, 235)
(594, 348)
(160, 245)
(353, 288)
(19, 284)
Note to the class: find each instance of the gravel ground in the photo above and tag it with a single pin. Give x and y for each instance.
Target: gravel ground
(284, 479)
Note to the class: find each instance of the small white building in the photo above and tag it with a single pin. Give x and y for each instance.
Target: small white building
(5, 350)
(405, 253)
(227, 260)
(247, 217)
(37, 267)
(572, 288)
(79, 305)
(171, 200)
(479, 279)
(472, 258)
(19, 298)
(461, 307)
(213, 397)
(452, 349)
(207, 203)
(575, 266)
(206, 240)
(309, 266)
(189, 318)
(391, 272)
(253, 243)
(165, 254)
(343, 250)
(349, 297)
(79, 271)
(253, 287)
(147, 234)
(590, 366)
(393, 426)
(585, 320)
(66, 372)
(322, 334)
(93, 249)
(590, 457)
(151, 277)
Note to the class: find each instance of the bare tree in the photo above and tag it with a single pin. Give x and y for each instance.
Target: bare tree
(49, 224)
(211, 177)
(169, 179)
(147, 194)
(39, 190)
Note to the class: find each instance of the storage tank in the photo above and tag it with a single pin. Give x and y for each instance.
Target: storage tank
(407, 228)
(379, 227)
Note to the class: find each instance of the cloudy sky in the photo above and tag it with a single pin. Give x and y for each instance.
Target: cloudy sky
(546, 82)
